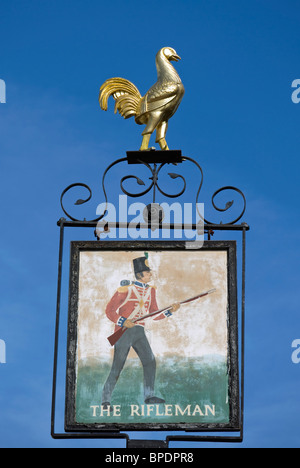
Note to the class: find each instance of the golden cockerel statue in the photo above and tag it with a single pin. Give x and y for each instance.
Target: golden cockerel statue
(157, 106)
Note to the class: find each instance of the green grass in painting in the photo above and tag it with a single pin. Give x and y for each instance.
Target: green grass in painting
(183, 382)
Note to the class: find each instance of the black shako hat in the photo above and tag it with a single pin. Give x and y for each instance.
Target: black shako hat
(141, 264)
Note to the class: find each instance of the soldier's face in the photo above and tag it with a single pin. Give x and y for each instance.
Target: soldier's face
(147, 276)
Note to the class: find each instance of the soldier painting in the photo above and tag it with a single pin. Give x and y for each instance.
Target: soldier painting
(131, 302)
(152, 336)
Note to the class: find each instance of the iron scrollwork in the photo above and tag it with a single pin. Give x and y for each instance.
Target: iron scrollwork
(154, 184)
(155, 171)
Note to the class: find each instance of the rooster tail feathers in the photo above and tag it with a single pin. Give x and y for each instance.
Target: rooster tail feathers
(125, 94)
(127, 105)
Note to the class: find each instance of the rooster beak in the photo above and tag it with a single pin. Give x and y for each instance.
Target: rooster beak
(175, 57)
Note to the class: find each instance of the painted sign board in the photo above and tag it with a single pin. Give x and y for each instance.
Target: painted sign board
(130, 368)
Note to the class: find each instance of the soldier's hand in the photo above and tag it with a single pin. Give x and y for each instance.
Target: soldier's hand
(129, 324)
(175, 307)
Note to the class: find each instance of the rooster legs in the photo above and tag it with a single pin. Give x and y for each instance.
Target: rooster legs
(163, 144)
(161, 131)
(150, 127)
(145, 142)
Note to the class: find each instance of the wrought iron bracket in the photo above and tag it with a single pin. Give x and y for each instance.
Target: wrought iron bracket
(154, 161)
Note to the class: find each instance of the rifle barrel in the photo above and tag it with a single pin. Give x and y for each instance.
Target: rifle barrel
(117, 335)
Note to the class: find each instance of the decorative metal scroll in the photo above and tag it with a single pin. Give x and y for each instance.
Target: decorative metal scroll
(154, 185)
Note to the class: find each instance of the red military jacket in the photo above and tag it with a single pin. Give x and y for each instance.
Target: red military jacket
(132, 302)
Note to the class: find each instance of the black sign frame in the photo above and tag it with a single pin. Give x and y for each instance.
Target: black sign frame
(229, 247)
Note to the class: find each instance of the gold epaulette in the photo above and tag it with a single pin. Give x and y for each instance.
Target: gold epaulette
(154, 287)
(123, 289)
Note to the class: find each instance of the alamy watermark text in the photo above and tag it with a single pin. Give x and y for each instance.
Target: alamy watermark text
(296, 352)
(2, 352)
(296, 93)
(174, 220)
(2, 92)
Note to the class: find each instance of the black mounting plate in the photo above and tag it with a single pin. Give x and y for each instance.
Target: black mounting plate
(154, 157)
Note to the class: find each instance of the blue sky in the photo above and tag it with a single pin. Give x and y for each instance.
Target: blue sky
(237, 119)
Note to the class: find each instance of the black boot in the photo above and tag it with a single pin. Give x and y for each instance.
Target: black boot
(154, 401)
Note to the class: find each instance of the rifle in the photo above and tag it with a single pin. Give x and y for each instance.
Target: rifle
(117, 335)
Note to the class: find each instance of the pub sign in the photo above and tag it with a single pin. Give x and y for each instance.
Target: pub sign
(152, 337)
